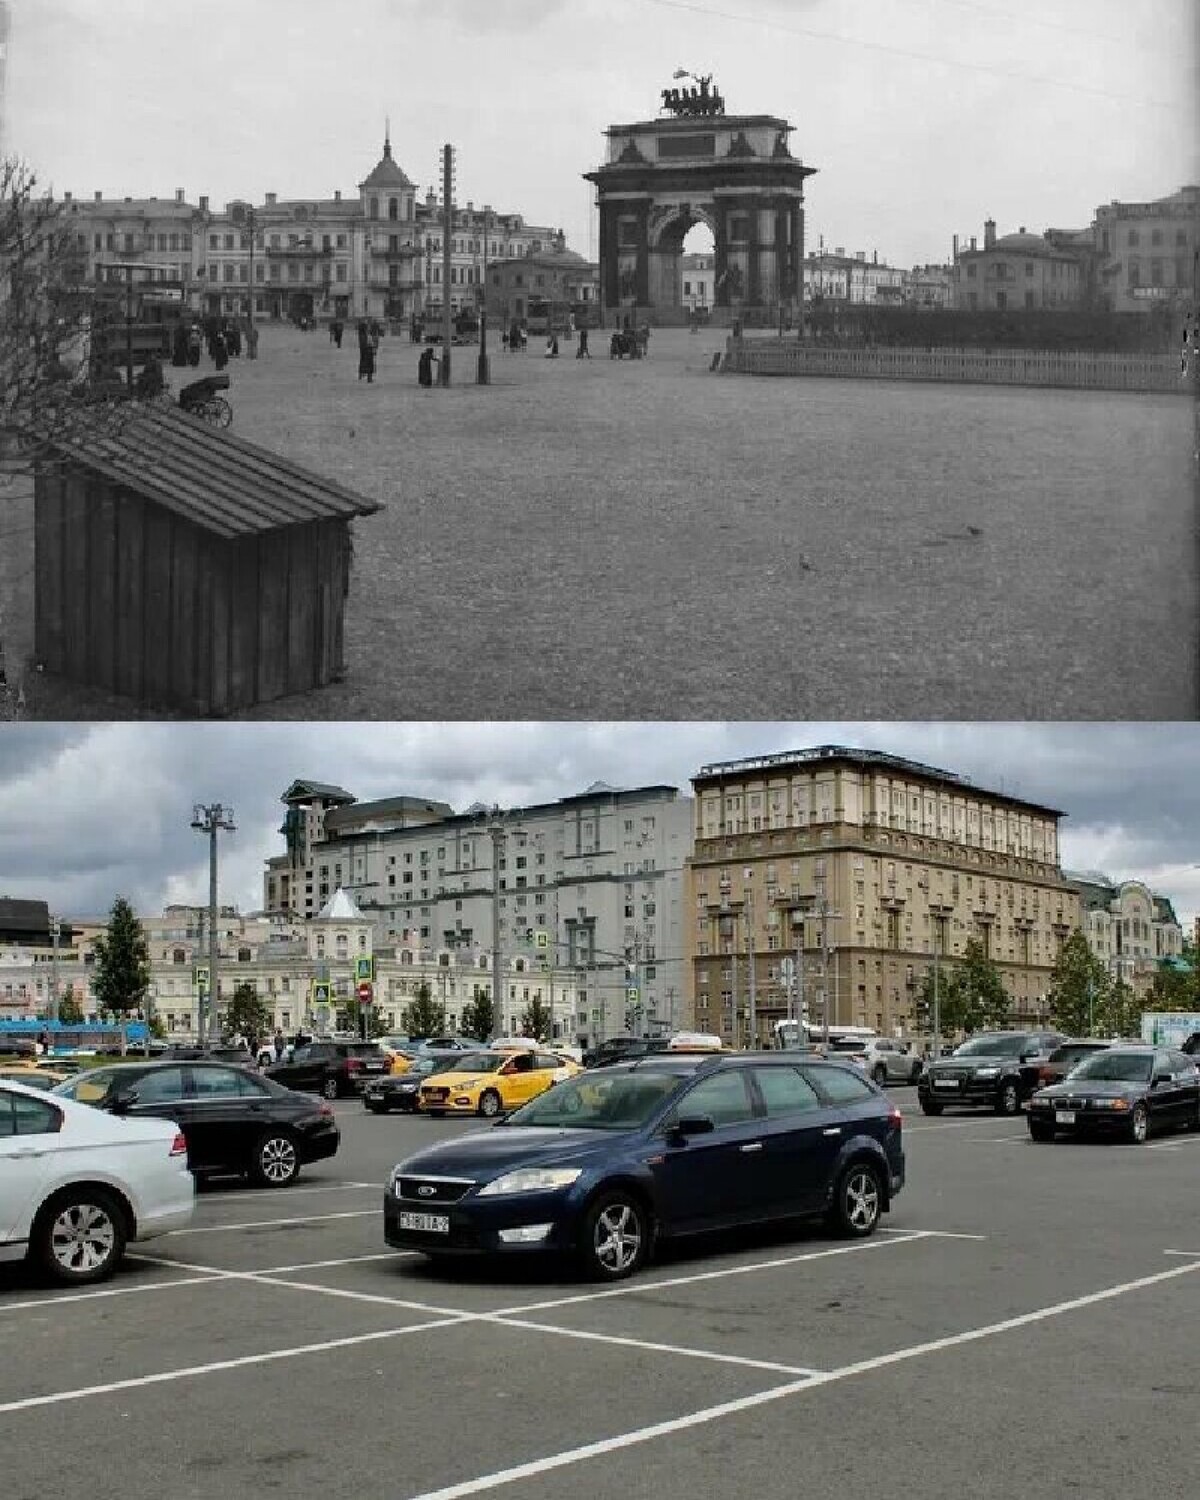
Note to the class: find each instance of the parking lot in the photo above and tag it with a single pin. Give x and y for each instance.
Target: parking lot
(1025, 1320)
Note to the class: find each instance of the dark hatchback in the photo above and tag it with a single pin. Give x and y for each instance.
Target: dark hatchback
(1126, 1092)
(603, 1165)
(331, 1069)
(400, 1090)
(234, 1121)
(984, 1071)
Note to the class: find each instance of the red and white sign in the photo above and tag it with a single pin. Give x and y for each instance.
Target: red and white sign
(364, 992)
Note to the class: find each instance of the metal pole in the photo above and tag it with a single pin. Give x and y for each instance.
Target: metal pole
(826, 951)
(801, 1028)
(737, 1020)
(497, 833)
(214, 988)
(483, 375)
(129, 325)
(937, 1014)
(447, 217)
(55, 929)
(752, 1002)
(251, 352)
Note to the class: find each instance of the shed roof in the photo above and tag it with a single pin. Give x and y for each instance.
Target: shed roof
(213, 479)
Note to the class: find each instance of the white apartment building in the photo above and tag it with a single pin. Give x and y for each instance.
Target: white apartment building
(600, 873)
(1128, 927)
(284, 960)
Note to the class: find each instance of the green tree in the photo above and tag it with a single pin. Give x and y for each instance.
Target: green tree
(1079, 987)
(1174, 989)
(158, 1028)
(985, 1001)
(122, 972)
(477, 1016)
(424, 1017)
(537, 1020)
(1120, 1014)
(247, 1012)
(70, 1012)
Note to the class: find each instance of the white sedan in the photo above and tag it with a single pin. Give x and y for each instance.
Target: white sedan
(77, 1184)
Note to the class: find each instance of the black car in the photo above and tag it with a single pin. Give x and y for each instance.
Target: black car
(1040, 1072)
(1125, 1091)
(1191, 1047)
(332, 1069)
(985, 1070)
(234, 1121)
(399, 1090)
(606, 1163)
(623, 1049)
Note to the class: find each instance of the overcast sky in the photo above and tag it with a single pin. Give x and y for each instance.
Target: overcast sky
(923, 117)
(91, 811)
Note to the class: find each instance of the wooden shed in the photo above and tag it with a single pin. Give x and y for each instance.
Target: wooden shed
(186, 568)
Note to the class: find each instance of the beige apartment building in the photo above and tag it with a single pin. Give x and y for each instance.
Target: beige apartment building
(284, 960)
(854, 869)
(1129, 928)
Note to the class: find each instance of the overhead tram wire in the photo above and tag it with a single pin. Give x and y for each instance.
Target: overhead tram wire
(694, 8)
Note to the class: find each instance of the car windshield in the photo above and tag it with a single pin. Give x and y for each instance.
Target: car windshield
(1115, 1067)
(992, 1046)
(1074, 1052)
(479, 1062)
(600, 1101)
(88, 1088)
(426, 1065)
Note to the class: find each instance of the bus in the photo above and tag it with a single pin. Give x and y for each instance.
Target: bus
(63, 1037)
(801, 1035)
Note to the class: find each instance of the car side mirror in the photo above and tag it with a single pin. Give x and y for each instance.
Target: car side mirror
(1159, 1078)
(124, 1101)
(687, 1125)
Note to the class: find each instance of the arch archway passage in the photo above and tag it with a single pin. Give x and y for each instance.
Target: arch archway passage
(734, 173)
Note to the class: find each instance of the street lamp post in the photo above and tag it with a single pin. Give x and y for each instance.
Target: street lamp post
(251, 336)
(55, 931)
(496, 829)
(211, 820)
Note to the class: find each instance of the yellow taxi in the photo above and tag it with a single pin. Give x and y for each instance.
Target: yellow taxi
(490, 1082)
(34, 1075)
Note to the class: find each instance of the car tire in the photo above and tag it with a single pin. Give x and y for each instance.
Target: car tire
(1039, 1130)
(857, 1201)
(931, 1107)
(616, 1236)
(489, 1104)
(79, 1235)
(329, 1089)
(1139, 1124)
(916, 1073)
(1008, 1098)
(276, 1161)
(879, 1074)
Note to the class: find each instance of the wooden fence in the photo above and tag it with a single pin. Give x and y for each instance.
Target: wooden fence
(1035, 367)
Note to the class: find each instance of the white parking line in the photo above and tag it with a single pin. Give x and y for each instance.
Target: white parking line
(631, 1343)
(997, 1140)
(1175, 1143)
(164, 1377)
(304, 1265)
(944, 1125)
(111, 1291)
(935, 1234)
(354, 1213)
(231, 1194)
(1189, 1254)
(635, 1287)
(778, 1393)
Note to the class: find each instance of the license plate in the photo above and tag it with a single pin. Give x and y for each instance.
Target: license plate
(945, 1083)
(1064, 1117)
(426, 1223)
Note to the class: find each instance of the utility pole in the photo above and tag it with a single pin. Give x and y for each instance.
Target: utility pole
(737, 1020)
(496, 829)
(55, 930)
(211, 820)
(826, 951)
(483, 374)
(752, 1001)
(448, 223)
(251, 339)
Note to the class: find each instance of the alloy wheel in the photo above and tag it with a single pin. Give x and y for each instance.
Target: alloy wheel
(860, 1199)
(617, 1238)
(489, 1105)
(83, 1238)
(277, 1158)
(1139, 1124)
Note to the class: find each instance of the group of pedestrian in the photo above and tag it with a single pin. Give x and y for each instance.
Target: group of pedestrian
(222, 337)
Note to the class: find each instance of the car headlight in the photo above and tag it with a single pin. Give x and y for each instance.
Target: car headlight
(532, 1180)
(987, 1072)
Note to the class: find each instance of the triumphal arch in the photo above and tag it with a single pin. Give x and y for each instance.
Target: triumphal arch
(695, 164)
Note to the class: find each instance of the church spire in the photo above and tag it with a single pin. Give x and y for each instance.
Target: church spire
(387, 138)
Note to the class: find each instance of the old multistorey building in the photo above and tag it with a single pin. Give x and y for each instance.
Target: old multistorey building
(856, 869)
(1129, 928)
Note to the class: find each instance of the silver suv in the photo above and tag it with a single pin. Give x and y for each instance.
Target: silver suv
(887, 1061)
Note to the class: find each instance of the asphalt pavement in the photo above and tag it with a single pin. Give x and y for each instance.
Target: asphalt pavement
(1023, 1324)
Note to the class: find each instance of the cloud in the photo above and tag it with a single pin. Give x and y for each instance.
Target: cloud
(87, 812)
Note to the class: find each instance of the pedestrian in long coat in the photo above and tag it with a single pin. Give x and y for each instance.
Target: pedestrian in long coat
(425, 366)
(366, 355)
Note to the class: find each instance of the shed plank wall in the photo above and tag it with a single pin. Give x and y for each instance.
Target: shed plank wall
(156, 638)
(131, 621)
(185, 556)
(74, 543)
(273, 604)
(101, 643)
(243, 621)
(303, 646)
(48, 565)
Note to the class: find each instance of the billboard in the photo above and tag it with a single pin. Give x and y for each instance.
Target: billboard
(1169, 1028)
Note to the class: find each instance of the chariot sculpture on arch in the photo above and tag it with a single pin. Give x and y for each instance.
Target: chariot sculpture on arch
(700, 102)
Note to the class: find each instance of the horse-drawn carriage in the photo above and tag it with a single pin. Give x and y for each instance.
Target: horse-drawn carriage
(201, 398)
(633, 342)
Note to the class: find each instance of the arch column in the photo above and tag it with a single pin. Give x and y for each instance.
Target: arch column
(753, 268)
(642, 295)
(720, 254)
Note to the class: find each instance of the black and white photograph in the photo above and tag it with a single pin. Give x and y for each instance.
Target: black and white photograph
(635, 358)
(599, 746)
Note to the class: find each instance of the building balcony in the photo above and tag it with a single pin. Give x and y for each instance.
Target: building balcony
(301, 252)
(385, 252)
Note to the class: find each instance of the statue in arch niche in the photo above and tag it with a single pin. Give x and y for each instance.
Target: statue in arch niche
(702, 102)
